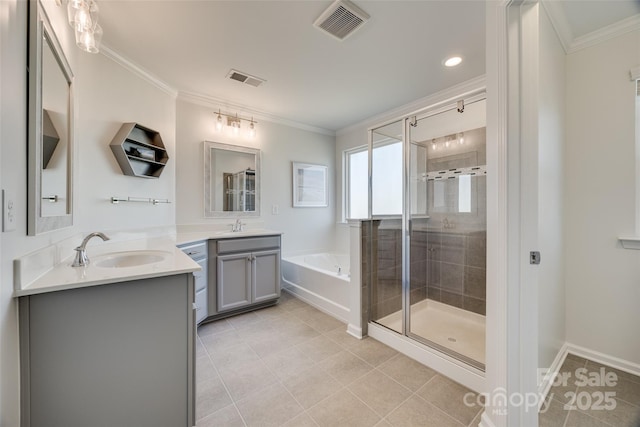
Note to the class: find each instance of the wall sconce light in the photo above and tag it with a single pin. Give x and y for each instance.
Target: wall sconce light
(234, 122)
(219, 123)
(447, 141)
(83, 18)
(252, 129)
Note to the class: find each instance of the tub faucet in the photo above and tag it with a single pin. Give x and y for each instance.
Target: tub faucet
(81, 252)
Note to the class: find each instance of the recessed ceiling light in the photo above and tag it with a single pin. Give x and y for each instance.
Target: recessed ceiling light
(453, 61)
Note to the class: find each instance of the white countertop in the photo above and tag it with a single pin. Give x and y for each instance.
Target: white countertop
(61, 276)
(198, 236)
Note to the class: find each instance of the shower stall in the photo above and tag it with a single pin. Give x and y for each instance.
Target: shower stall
(424, 246)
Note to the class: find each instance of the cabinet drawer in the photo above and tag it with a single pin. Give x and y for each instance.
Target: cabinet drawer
(249, 244)
(195, 251)
(200, 279)
(201, 305)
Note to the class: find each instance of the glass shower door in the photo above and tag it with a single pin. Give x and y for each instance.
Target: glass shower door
(446, 222)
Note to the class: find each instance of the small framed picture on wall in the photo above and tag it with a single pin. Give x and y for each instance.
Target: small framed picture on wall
(310, 184)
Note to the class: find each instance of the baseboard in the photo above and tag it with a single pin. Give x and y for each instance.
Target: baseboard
(552, 372)
(605, 359)
(354, 331)
(321, 303)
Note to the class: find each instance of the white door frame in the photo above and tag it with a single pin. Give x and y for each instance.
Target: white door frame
(512, 327)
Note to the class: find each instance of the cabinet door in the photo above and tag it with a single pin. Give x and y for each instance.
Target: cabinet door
(266, 275)
(234, 281)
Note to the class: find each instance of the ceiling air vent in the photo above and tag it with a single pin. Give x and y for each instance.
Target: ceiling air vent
(341, 19)
(245, 78)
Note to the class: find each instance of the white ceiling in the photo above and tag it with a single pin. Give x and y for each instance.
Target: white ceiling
(313, 79)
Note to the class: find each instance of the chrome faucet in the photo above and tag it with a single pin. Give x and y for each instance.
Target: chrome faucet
(81, 252)
(237, 226)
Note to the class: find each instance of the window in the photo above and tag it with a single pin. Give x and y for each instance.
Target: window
(356, 188)
(386, 181)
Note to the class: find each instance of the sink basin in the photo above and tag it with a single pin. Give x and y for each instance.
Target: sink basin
(129, 259)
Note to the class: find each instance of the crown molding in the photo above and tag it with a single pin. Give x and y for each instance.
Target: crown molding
(609, 32)
(201, 99)
(219, 103)
(138, 70)
(453, 93)
(572, 44)
(559, 22)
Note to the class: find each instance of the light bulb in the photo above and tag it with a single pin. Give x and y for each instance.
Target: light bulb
(252, 130)
(219, 122)
(461, 138)
(85, 40)
(235, 126)
(72, 8)
(452, 61)
(433, 144)
(446, 143)
(82, 19)
(89, 40)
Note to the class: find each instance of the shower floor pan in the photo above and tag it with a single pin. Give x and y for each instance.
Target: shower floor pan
(450, 327)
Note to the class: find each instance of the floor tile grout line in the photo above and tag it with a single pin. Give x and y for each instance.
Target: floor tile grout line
(440, 410)
(224, 384)
(315, 365)
(591, 416)
(391, 411)
(394, 380)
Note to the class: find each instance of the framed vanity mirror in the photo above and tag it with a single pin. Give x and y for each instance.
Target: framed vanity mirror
(231, 180)
(51, 128)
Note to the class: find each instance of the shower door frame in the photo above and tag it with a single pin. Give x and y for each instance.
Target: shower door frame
(443, 107)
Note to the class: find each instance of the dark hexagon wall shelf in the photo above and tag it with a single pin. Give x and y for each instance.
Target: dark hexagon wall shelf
(139, 151)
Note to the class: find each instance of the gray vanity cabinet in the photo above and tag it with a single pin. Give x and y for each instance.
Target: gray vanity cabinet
(245, 274)
(119, 354)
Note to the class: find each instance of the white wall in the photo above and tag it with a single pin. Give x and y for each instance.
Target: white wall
(109, 95)
(305, 229)
(602, 279)
(551, 98)
(13, 178)
(105, 95)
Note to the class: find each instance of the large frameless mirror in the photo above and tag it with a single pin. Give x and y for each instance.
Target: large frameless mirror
(231, 180)
(50, 128)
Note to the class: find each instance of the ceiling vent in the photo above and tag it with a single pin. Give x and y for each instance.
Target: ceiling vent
(341, 19)
(245, 78)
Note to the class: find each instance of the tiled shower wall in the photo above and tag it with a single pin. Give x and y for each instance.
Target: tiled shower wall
(450, 267)
(446, 266)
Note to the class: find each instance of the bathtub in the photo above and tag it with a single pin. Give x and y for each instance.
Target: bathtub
(320, 279)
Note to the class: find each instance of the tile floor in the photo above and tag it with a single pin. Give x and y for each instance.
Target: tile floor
(293, 365)
(588, 399)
